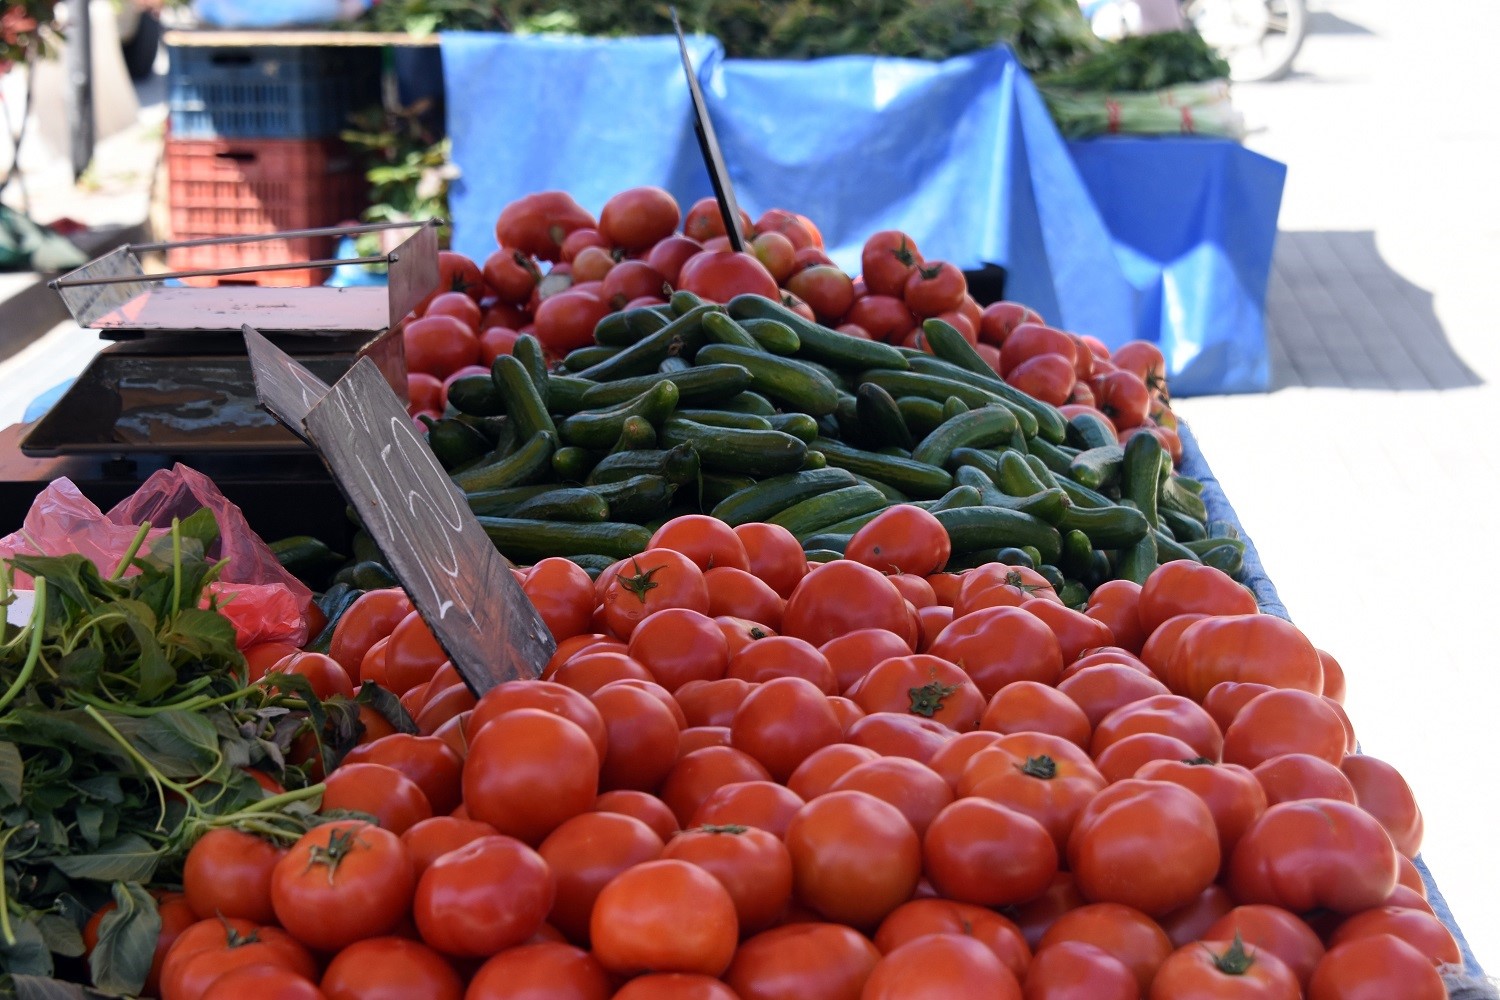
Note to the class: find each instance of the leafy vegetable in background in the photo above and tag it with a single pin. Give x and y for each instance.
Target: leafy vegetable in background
(126, 727)
(1142, 62)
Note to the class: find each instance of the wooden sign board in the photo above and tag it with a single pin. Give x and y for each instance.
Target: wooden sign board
(708, 142)
(462, 586)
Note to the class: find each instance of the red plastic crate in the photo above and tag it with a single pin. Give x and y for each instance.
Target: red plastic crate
(246, 187)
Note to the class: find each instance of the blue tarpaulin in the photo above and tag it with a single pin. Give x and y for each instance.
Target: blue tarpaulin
(960, 154)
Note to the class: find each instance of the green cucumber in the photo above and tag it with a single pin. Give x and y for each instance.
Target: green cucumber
(798, 425)
(850, 525)
(592, 563)
(678, 466)
(933, 387)
(1015, 476)
(1225, 558)
(959, 496)
(500, 502)
(1049, 505)
(794, 384)
(1055, 457)
(726, 449)
(1074, 594)
(982, 527)
(748, 402)
(720, 328)
(727, 418)
(1050, 424)
(572, 464)
(716, 487)
(1098, 468)
(822, 555)
(1114, 527)
(1169, 548)
(601, 428)
(528, 350)
(522, 399)
(1140, 475)
(1082, 496)
(636, 434)
(816, 513)
(818, 342)
(812, 460)
(1183, 528)
(774, 336)
(453, 442)
(568, 503)
(683, 302)
(969, 475)
(1040, 470)
(1077, 556)
(890, 492)
(476, 395)
(582, 358)
(771, 496)
(624, 328)
(1137, 561)
(526, 540)
(681, 336)
(636, 499)
(527, 464)
(880, 415)
(828, 541)
(1088, 430)
(1201, 545)
(917, 479)
(565, 393)
(920, 414)
(1181, 498)
(700, 385)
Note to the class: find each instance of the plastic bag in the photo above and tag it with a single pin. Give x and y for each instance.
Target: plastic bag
(265, 602)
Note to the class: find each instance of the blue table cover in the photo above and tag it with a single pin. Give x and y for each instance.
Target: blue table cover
(1152, 240)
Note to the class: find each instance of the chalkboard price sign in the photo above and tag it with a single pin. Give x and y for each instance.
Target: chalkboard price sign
(285, 388)
(708, 143)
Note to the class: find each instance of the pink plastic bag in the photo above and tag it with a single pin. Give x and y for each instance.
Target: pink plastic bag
(265, 602)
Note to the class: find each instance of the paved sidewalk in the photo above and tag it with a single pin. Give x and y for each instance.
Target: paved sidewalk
(1365, 476)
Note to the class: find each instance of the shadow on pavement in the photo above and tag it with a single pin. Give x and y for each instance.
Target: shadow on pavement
(1338, 316)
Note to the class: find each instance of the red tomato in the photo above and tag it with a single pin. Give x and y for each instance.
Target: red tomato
(1225, 699)
(941, 967)
(565, 321)
(1314, 853)
(664, 916)
(390, 968)
(1224, 969)
(898, 734)
(1283, 722)
(208, 949)
(558, 699)
(639, 217)
(763, 805)
(631, 281)
(1232, 794)
(1125, 757)
(977, 851)
(914, 788)
(678, 645)
(887, 261)
(490, 894)
(1030, 706)
(718, 276)
(1045, 777)
(413, 654)
(1122, 932)
(529, 770)
(752, 864)
(456, 273)
(263, 655)
(924, 685)
(825, 288)
(782, 721)
(883, 317)
(1275, 931)
(1076, 970)
(1186, 587)
(1106, 687)
(933, 288)
(923, 917)
(739, 594)
(669, 254)
(1000, 319)
(1047, 377)
(712, 703)
(439, 345)
(430, 839)
(460, 305)
(428, 761)
(951, 759)
(538, 223)
(842, 596)
(1383, 793)
(1029, 341)
(355, 869)
(563, 595)
(1333, 677)
(511, 276)
(1166, 714)
(707, 541)
(773, 554)
(901, 539)
(1075, 631)
(705, 221)
(999, 645)
(228, 873)
(271, 981)
(1379, 966)
(855, 858)
(698, 774)
(651, 581)
(548, 969)
(495, 341)
(1190, 922)
(642, 735)
(642, 806)
(1260, 648)
(783, 656)
(1037, 917)
(998, 585)
(1293, 776)
(323, 672)
(803, 960)
(818, 773)
(853, 654)
(584, 854)
(1123, 397)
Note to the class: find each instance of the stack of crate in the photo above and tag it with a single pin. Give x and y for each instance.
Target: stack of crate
(253, 148)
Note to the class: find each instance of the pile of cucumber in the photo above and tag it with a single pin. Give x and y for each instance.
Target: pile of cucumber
(750, 412)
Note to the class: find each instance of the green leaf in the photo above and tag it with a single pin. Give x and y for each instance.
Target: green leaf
(61, 935)
(201, 527)
(179, 744)
(39, 988)
(29, 955)
(70, 728)
(89, 817)
(127, 941)
(202, 633)
(388, 705)
(102, 788)
(127, 858)
(81, 668)
(12, 771)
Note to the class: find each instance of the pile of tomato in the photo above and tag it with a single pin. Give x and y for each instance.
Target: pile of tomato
(744, 775)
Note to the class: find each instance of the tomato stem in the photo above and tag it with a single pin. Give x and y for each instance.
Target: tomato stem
(927, 700)
(1200, 761)
(1041, 766)
(734, 828)
(641, 583)
(1236, 961)
(340, 843)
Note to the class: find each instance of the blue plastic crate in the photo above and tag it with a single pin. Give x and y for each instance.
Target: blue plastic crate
(270, 91)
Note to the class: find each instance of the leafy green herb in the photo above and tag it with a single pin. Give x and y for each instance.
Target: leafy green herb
(1142, 62)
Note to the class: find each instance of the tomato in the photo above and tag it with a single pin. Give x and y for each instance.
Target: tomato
(490, 894)
(739, 632)
(563, 595)
(323, 672)
(801, 961)
(842, 596)
(1284, 722)
(854, 654)
(1166, 714)
(1191, 921)
(1122, 932)
(639, 217)
(1030, 706)
(1333, 676)
(668, 255)
(855, 858)
(529, 770)
(263, 655)
(176, 917)
(372, 617)
(642, 806)
(664, 916)
(584, 854)
(918, 592)
(782, 721)
(439, 345)
(511, 276)
(712, 703)
(558, 699)
(1043, 776)
(430, 839)
(352, 868)
(538, 223)
(1274, 931)
(1260, 648)
(776, 253)
(1293, 776)
(1028, 341)
(547, 970)
(752, 864)
(390, 968)
(1314, 853)
(678, 645)
(271, 982)
(565, 321)
(1182, 586)
(704, 220)
(901, 539)
(1076, 970)
(978, 851)
(913, 788)
(1075, 631)
(630, 281)
(707, 541)
(413, 654)
(1227, 969)
(999, 645)
(1418, 928)
(935, 287)
(1000, 319)
(1047, 377)
(923, 917)
(941, 967)
(1383, 793)
(828, 290)
(783, 656)
(1124, 398)
(1225, 699)
(1161, 645)
(426, 760)
(642, 737)
(698, 774)
(720, 275)
(883, 317)
(764, 805)
(924, 685)
(228, 873)
(773, 554)
(737, 593)
(996, 585)
(1378, 966)
(209, 948)
(1232, 794)
(887, 262)
(395, 800)
(1122, 759)
(655, 579)
(950, 760)
(459, 305)
(898, 734)
(822, 768)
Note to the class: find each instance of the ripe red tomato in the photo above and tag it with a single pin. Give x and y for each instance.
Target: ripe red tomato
(782, 721)
(1030, 706)
(698, 774)
(1166, 714)
(1075, 631)
(1261, 648)
(842, 596)
(631, 281)
(678, 645)
(1378, 966)
(669, 254)
(901, 539)
(1045, 777)
(718, 276)
(752, 864)
(228, 873)
(429, 762)
(1232, 794)
(883, 317)
(642, 734)
(413, 654)
(549, 696)
(999, 645)
(1124, 398)
(323, 672)
(978, 851)
(1292, 776)
(538, 223)
(1047, 377)
(439, 345)
(1028, 341)
(430, 839)
(887, 261)
(825, 288)
(924, 685)
(923, 917)
(1000, 319)
(912, 787)
(511, 276)
(941, 967)
(655, 579)
(1190, 922)
(352, 868)
(855, 653)
(707, 541)
(529, 770)
(934, 288)
(1383, 793)
(776, 253)
(565, 322)
(548, 969)
(773, 554)
(998, 585)
(899, 734)
(642, 806)
(563, 595)
(783, 656)
(803, 960)
(704, 220)
(490, 894)
(1223, 969)
(396, 801)
(854, 857)
(664, 916)
(639, 217)
(763, 805)
(1284, 722)
(1077, 970)
(459, 305)
(1183, 586)
(425, 393)
(262, 981)
(739, 594)
(208, 949)
(818, 773)
(456, 273)
(390, 968)
(1314, 853)
(1122, 932)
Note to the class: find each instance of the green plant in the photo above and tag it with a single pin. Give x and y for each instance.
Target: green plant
(27, 29)
(407, 166)
(423, 17)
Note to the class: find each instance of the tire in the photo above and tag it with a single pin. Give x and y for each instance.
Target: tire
(1260, 48)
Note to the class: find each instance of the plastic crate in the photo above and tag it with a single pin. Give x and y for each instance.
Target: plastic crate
(245, 187)
(269, 91)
